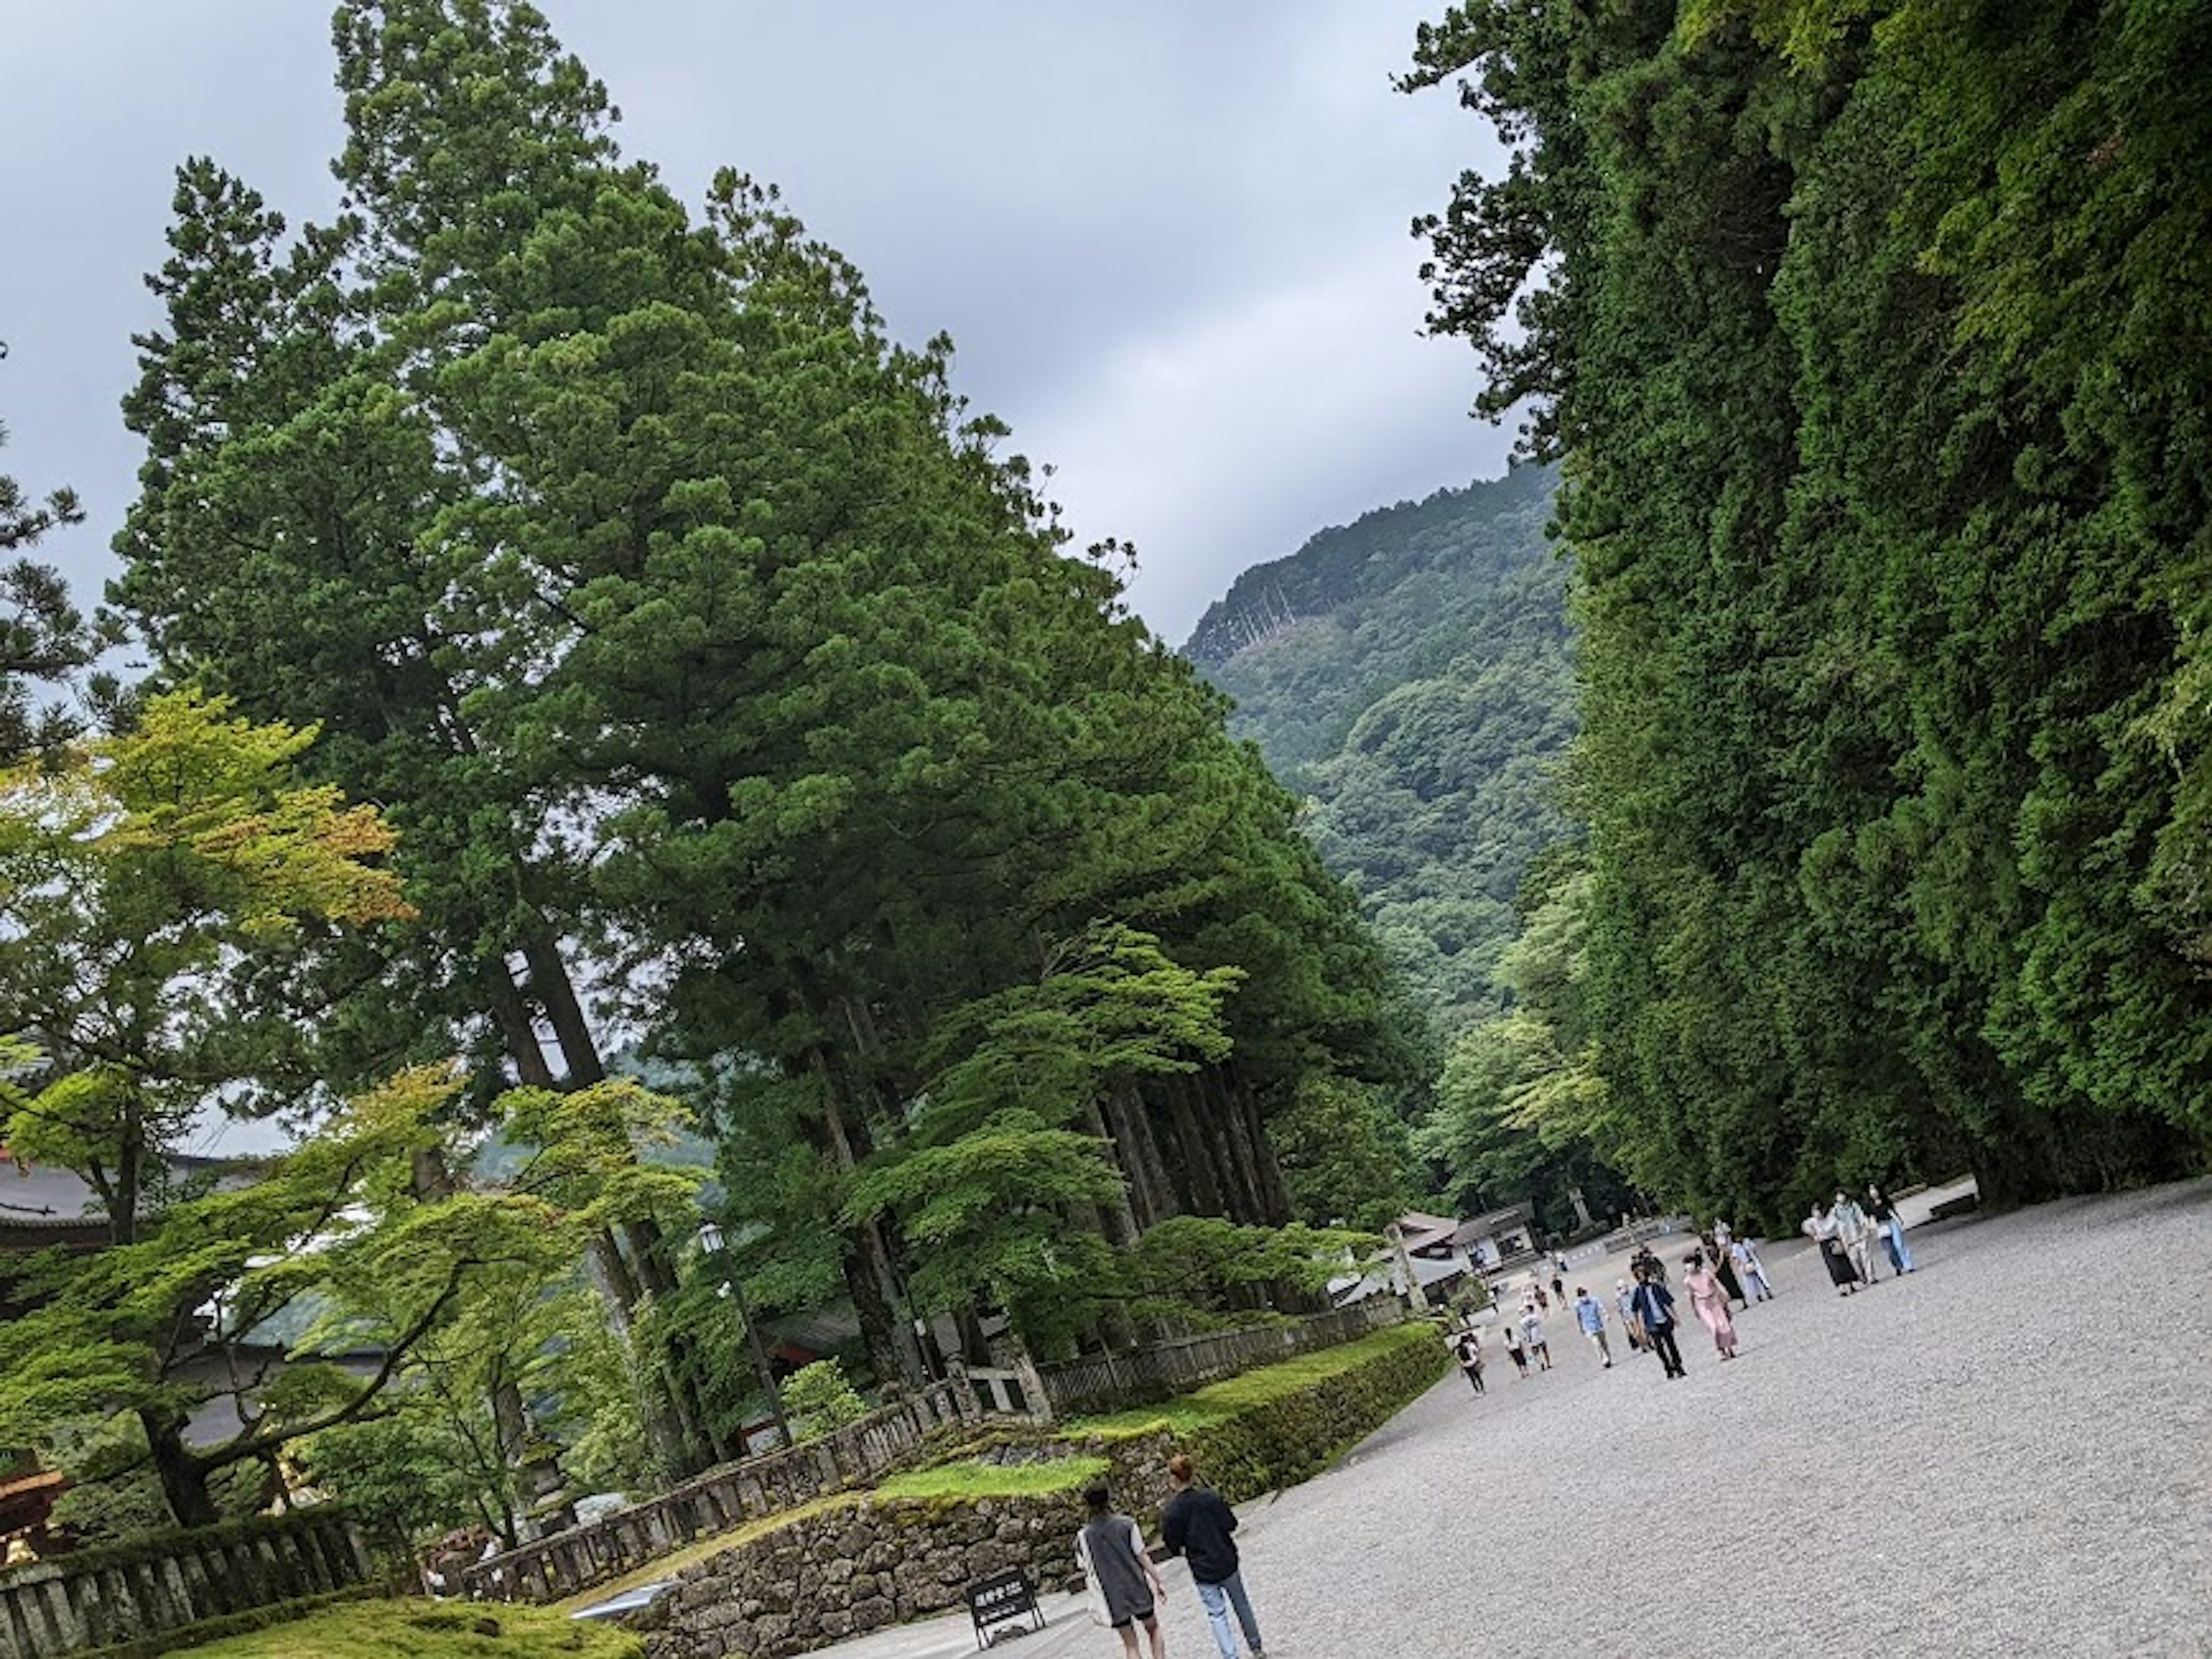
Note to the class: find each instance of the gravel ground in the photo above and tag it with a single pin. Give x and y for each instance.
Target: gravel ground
(2008, 1453)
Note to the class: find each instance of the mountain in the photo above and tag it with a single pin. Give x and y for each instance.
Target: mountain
(1411, 676)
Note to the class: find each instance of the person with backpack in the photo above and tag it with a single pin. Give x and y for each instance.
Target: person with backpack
(1467, 1350)
(1125, 1590)
(1196, 1524)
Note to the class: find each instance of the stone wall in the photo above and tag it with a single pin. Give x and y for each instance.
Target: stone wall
(857, 1568)
(563, 1563)
(113, 1595)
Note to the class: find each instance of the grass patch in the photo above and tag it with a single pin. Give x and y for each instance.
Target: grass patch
(1218, 1403)
(667, 1566)
(972, 1480)
(426, 1629)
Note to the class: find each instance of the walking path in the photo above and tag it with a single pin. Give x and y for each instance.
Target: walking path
(2008, 1453)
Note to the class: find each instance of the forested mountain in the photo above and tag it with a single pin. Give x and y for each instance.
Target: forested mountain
(1410, 677)
(1876, 335)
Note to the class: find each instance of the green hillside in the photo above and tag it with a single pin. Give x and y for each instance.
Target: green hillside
(1410, 676)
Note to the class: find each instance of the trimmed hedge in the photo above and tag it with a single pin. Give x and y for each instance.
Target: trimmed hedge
(1274, 1427)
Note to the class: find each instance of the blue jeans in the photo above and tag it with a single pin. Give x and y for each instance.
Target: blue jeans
(1217, 1599)
(1900, 1254)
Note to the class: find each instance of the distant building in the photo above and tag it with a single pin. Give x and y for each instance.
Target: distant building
(1441, 1252)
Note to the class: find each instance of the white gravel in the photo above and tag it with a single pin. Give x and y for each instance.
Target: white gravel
(2008, 1453)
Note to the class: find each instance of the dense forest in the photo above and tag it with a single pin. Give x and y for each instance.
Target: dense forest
(569, 613)
(1409, 676)
(1873, 339)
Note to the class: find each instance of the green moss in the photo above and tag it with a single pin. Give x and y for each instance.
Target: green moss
(970, 1480)
(426, 1629)
(1218, 1401)
(1275, 1426)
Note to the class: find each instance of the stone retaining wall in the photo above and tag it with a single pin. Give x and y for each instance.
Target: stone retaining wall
(857, 1568)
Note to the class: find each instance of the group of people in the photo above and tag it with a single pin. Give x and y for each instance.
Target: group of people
(1845, 1231)
(1721, 1270)
(1125, 1584)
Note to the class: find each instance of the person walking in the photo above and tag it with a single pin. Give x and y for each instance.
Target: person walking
(1196, 1524)
(1821, 1227)
(1589, 1314)
(1624, 1302)
(1125, 1586)
(1751, 1270)
(1716, 1258)
(1559, 1285)
(1654, 1311)
(1857, 1233)
(1468, 1351)
(1708, 1297)
(1532, 1332)
(1514, 1350)
(1891, 1225)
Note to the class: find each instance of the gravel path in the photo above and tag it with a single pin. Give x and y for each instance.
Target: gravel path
(2008, 1453)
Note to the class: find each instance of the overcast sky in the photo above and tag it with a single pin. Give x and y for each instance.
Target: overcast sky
(1170, 239)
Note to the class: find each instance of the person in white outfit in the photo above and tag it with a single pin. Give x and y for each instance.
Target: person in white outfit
(1856, 1234)
(1750, 1270)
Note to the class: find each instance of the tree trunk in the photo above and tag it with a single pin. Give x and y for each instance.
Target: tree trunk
(1151, 1196)
(550, 982)
(184, 1482)
(511, 1014)
(1199, 1193)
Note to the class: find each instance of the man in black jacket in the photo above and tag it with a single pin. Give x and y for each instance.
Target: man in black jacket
(1195, 1525)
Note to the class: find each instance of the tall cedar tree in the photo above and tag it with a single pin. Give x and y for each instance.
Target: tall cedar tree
(675, 609)
(1881, 384)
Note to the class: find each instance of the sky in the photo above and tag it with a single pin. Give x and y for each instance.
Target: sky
(1170, 239)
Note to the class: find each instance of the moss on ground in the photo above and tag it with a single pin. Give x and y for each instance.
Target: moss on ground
(971, 1480)
(1218, 1403)
(426, 1629)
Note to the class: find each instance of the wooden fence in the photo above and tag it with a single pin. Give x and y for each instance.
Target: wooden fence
(1108, 1381)
(103, 1596)
(563, 1563)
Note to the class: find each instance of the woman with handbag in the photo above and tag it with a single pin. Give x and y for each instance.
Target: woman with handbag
(1821, 1227)
(1125, 1587)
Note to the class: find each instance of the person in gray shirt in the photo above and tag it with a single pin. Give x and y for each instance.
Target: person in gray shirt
(1124, 1585)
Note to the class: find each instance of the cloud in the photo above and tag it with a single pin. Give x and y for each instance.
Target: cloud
(1228, 438)
(1170, 239)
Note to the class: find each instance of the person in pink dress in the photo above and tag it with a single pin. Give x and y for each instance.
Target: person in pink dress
(1711, 1298)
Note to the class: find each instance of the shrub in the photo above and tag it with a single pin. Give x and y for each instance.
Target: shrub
(818, 1399)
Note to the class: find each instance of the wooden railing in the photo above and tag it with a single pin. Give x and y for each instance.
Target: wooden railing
(1146, 1376)
(563, 1563)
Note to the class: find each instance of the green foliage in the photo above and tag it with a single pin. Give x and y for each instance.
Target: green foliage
(1347, 1157)
(1879, 366)
(143, 880)
(401, 1475)
(966, 1482)
(687, 621)
(818, 1398)
(1418, 705)
(1273, 1427)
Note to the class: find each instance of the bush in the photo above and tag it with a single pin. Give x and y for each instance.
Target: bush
(1281, 1424)
(818, 1399)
